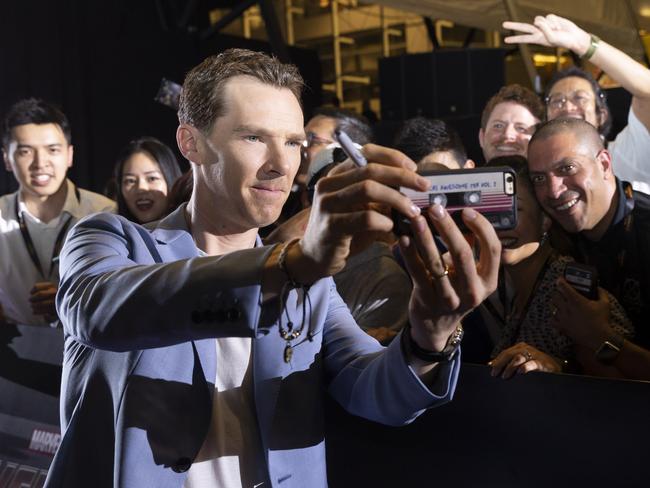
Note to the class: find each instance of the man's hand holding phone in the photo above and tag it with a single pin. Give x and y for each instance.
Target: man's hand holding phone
(345, 206)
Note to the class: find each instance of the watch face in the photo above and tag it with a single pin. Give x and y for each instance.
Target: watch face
(607, 352)
(457, 336)
(454, 343)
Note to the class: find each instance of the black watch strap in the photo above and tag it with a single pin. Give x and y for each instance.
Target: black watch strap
(447, 354)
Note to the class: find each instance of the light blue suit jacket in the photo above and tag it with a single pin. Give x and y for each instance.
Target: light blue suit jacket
(141, 310)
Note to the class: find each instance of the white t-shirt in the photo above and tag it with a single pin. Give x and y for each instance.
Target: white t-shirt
(18, 274)
(231, 455)
(631, 154)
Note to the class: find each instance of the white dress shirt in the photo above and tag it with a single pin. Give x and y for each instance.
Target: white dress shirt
(631, 154)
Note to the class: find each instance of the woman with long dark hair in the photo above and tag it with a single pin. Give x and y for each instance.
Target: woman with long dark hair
(144, 173)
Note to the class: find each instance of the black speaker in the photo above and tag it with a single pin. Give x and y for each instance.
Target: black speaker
(391, 94)
(419, 91)
(443, 83)
(486, 75)
(453, 87)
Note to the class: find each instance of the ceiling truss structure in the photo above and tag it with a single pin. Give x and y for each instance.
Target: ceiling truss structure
(350, 36)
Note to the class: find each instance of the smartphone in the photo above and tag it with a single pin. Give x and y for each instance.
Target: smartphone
(490, 191)
(584, 278)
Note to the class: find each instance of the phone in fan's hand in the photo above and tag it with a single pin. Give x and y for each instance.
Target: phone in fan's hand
(583, 278)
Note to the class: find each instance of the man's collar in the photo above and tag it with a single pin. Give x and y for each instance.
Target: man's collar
(624, 205)
(71, 205)
(170, 227)
(175, 225)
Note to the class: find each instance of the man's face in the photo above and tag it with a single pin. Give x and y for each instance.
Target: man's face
(507, 131)
(571, 181)
(251, 155)
(320, 133)
(39, 157)
(572, 97)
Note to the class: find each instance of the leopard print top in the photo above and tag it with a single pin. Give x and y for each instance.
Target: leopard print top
(536, 330)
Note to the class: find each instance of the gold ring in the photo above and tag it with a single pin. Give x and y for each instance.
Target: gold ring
(441, 275)
(527, 355)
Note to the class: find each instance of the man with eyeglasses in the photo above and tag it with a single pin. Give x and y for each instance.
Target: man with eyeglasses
(609, 224)
(574, 92)
(320, 131)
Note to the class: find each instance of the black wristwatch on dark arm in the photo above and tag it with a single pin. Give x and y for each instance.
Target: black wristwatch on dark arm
(610, 349)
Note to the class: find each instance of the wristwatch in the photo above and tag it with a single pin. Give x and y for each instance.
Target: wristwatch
(448, 352)
(593, 45)
(609, 349)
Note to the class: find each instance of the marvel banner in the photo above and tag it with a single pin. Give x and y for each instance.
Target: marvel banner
(30, 379)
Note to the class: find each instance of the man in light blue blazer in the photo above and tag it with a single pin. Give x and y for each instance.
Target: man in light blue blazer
(195, 356)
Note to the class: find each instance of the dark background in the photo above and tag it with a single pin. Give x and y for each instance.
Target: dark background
(102, 64)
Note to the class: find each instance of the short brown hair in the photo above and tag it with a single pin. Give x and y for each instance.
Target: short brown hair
(201, 100)
(515, 94)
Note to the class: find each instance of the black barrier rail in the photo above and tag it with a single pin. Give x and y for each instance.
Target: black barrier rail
(536, 430)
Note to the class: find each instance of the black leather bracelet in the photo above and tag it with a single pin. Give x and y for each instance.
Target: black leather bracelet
(447, 354)
(282, 262)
